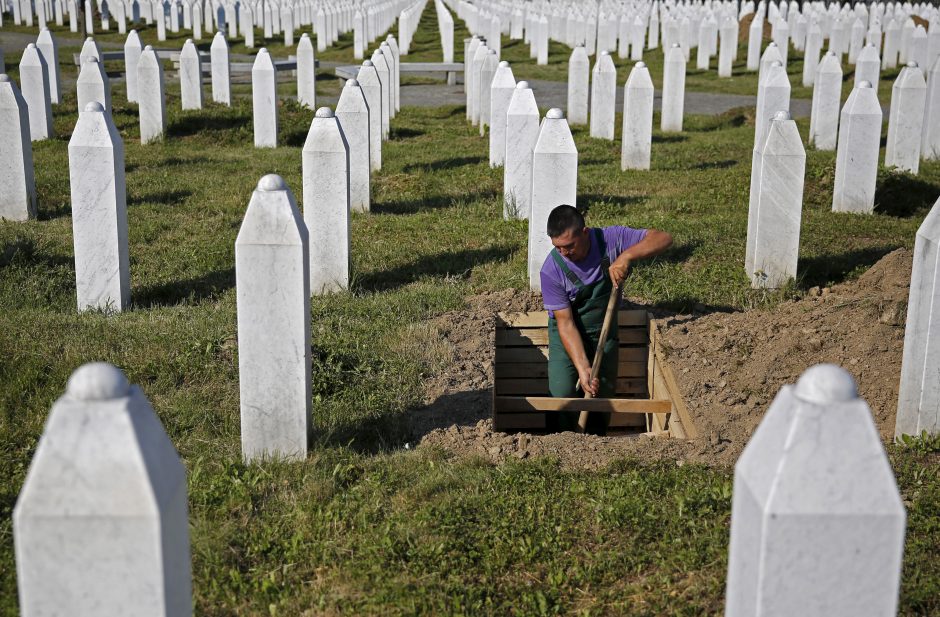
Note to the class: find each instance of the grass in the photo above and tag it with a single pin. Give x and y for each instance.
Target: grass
(365, 525)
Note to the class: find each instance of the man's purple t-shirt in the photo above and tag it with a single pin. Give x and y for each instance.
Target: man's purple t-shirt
(558, 292)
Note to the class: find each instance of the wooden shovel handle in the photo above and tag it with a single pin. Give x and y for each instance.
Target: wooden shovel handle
(599, 354)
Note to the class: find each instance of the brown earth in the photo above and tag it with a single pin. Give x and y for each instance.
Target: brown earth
(729, 366)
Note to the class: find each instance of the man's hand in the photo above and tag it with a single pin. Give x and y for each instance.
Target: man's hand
(587, 384)
(619, 269)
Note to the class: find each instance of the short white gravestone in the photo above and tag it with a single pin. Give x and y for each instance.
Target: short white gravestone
(906, 119)
(638, 36)
(857, 152)
(827, 97)
(919, 397)
(368, 79)
(554, 183)
(272, 280)
(306, 72)
(868, 65)
(93, 85)
(352, 111)
(817, 523)
(892, 45)
(326, 203)
(811, 54)
(637, 119)
(469, 55)
(132, 51)
(99, 212)
(930, 144)
(522, 131)
(487, 72)
(34, 81)
(18, 197)
(856, 40)
(755, 34)
(728, 43)
(776, 227)
(190, 74)
(476, 67)
(501, 91)
(771, 55)
(603, 97)
(264, 100)
(100, 526)
(578, 71)
(50, 53)
(396, 72)
(385, 76)
(89, 50)
(673, 90)
(221, 70)
(150, 96)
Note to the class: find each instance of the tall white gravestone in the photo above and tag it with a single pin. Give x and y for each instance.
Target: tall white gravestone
(99, 212)
(603, 97)
(264, 100)
(385, 77)
(100, 526)
(221, 70)
(190, 76)
(93, 85)
(578, 72)
(501, 91)
(150, 96)
(637, 119)
(306, 72)
(930, 144)
(34, 81)
(272, 279)
(132, 51)
(827, 97)
(326, 203)
(352, 111)
(371, 85)
(857, 152)
(522, 131)
(18, 197)
(919, 396)
(673, 90)
(868, 65)
(906, 119)
(487, 72)
(817, 523)
(554, 183)
(50, 53)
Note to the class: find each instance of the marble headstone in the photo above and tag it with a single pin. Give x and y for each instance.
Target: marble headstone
(306, 72)
(868, 65)
(930, 143)
(368, 79)
(637, 119)
(385, 77)
(34, 81)
(93, 85)
(487, 73)
(673, 90)
(49, 49)
(352, 111)
(150, 96)
(501, 91)
(906, 119)
(603, 97)
(264, 100)
(578, 72)
(221, 70)
(827, 97)
(522, 131)
(132, 51)
(190, 74)
(18, 197)
(857, 152)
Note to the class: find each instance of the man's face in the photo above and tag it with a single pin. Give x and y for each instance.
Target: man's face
(573, 244)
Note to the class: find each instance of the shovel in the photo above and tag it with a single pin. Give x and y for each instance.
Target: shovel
(599, 354)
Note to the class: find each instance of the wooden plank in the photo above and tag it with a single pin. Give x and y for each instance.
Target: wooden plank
(535, 370)
(613, 405)
(515, 337)
(680, 408)
(539, 319)
(539, 386)
(536, 354)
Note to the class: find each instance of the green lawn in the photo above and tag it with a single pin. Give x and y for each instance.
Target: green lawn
(365, 525)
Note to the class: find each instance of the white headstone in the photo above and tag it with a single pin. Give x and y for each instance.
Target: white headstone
(906, 119)
(868, 65)
(132, 51)
(729, 42)
(811, 54)
(18, 197)
(469, 56)
(554, 183)
(385, 76)
(272, 279)
(578, 71)
(501, 90)
(857, 152)
(673, 90)
(93, 85)
(326, 203)
(396, 72)
(603, 97)
(34, 81)
(487, 72)
(371, 85)
(522, 132)
(264, 100)
(827, 97)
(306, 72)
(100, 526)
(221, 70)
(99, 212)
(817, 523)
(190, 74)
(637, 119)
(49, 49)
(892, 45)
(755, 35)
(89, 50)
(930, 144)
(476, 68)
(150, 96)
(776, 227)
(352, 111)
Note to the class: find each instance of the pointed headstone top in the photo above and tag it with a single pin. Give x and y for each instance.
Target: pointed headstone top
(97, 381)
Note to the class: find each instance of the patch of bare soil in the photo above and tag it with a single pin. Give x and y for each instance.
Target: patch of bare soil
(729, 366)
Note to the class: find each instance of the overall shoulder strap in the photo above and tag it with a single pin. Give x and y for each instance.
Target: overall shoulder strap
(602, 247)
(571, 276)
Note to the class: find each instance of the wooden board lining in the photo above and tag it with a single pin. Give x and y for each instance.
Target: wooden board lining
(540, 386)
(527, 337)
(549, 404)
(539, 319)
(539, 370)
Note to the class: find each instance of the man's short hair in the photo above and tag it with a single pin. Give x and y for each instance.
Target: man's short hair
(563, 218)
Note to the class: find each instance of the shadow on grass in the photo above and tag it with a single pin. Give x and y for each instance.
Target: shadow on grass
(830, 269)
(209, 286)
(586, 202)
(435, 202)
(451, 163)
(446, 264)
(195, 124)
(160, 197)
(715, 165)
(24, 252)
(669, 139)
(902, 194)
(403, 133)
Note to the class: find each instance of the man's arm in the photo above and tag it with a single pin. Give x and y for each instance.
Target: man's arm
(571, 339)
(654, 243)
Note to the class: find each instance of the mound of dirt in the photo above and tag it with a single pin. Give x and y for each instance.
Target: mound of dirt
(729, 366)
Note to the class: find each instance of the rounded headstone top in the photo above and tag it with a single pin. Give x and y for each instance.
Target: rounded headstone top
(555, 114)
(384, 44)
(91, 59)
(605, 53)
(352, 83)
(4, 77)
(911, 65)
(641, 65)
(776, 63)
(675, 45)
(830, 53)
(272, 182)
(503, 64)
(782, 115)
(519, 86)
(94, 106)
(324, 112)
(771, 44)
(90, 38)
(305, 36)
(263, 50)
(864, 84)
(148, 47)
(368, 63)
(492, 51)
(97, 381)
(826, 383)
(44, 29)
(31, 46)
(188, 42)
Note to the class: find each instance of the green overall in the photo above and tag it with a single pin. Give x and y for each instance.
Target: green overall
(588, 309)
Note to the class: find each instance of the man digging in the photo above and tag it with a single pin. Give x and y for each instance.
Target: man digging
(577, 279)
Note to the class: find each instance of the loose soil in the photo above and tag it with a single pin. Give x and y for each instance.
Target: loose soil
(729, 366)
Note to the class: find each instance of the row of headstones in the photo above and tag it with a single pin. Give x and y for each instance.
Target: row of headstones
(817, 522)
